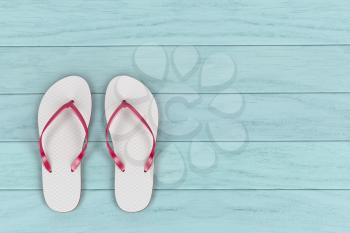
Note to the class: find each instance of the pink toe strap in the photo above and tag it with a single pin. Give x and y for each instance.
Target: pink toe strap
(118, 162)
(79, 158)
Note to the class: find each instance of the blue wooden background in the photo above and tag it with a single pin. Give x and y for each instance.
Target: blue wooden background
(254, 99)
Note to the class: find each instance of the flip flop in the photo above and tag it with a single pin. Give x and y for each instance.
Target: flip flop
(63, 119)
(132, 122)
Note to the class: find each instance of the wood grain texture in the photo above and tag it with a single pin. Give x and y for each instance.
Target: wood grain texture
(184, 211)
(205, 117)
(179, 165)
(203, 69)
(78, 23)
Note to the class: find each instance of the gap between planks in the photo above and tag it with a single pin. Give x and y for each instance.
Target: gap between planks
(187, 45)
(208, 93)
(189, 190)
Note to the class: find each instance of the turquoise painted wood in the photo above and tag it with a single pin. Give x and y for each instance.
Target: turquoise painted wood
(211, 117)
(256, 69)
(85, 23)
(190, 165)
(184, 211)
(254, 100)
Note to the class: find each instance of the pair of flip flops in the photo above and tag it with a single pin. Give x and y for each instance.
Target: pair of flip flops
(132, 122)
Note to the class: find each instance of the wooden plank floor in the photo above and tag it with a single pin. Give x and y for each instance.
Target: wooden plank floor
(80, 23)
(254, 98)
(220, 210)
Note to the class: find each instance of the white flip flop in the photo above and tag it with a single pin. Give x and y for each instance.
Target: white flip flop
(63, 119)
(132, 122)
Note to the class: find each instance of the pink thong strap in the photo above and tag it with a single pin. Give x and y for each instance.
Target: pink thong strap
(77, 161)
(118, 162)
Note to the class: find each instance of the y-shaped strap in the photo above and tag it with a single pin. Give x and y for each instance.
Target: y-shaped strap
(77, 161)
(114, 156)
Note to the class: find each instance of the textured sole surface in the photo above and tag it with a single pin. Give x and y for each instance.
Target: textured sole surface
(63, 141)
(132, 141)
